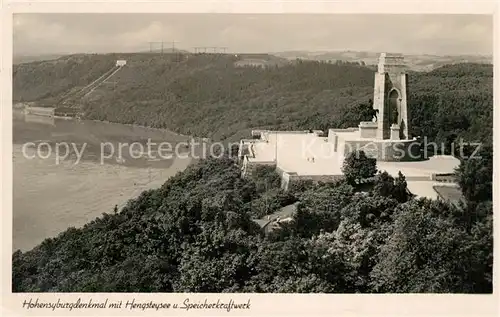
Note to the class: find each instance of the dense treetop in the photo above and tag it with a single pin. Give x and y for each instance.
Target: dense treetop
(195, 234)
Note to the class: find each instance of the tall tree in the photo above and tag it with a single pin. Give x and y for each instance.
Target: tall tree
(475, 176)
(357, 166)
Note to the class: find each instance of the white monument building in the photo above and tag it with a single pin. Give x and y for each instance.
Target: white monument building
(310, 155)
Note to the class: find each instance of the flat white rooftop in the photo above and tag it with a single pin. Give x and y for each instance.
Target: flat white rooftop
(434, 165)
(427, 188)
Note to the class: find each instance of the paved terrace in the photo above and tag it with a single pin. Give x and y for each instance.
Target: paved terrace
(297, 151)
(309, 154)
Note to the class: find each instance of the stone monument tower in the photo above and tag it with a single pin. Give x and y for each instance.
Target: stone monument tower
(389, 98)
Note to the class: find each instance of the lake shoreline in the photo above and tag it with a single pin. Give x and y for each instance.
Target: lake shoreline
(20, 108)
(51, 196)
(142, 126)
(90, 189)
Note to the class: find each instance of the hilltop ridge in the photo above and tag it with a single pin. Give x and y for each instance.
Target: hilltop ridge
(210, 95)
(415, 62)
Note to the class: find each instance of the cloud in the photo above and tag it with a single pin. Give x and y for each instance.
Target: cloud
(429, 31)
(432, 34)
(475, 30)
(154, 31)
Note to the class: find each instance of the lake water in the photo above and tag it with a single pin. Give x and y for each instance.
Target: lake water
(49, 195)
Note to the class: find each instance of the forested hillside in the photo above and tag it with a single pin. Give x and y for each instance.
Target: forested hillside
(453, 101)
(207, 95)
(195, 234)
(42, 80)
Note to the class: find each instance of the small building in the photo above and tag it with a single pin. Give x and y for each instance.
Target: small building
(273, 221)
(121, 62)
(450, 193)
(250, 62)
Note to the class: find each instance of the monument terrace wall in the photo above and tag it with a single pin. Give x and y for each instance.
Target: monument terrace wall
(290, 178)
(387, 150)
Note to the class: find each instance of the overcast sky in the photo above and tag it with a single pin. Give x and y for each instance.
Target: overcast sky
(421, 34)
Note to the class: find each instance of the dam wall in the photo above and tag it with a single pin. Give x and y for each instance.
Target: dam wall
(40, 111)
